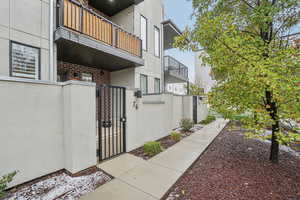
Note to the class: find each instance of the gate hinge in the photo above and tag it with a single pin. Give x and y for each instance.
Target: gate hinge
(97, 92)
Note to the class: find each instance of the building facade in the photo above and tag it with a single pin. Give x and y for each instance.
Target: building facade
(177, 88)
(123, 43)
(70, 71)
(203, 76)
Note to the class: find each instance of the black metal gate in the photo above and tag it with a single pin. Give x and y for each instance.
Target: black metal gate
(195, 104)
(111, 118)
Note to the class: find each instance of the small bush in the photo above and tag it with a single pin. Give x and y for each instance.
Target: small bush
(152, 148)
(186, 124)
(4, 180)
(295, 137)
(208, 120)
(176, 136)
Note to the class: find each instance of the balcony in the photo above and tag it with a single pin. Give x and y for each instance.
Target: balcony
(175, 71)
(87, 38)
(170, 32)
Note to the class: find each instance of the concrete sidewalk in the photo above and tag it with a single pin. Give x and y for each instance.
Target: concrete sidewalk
(138, 179)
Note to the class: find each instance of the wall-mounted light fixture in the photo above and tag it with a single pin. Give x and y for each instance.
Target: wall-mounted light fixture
(138, 94)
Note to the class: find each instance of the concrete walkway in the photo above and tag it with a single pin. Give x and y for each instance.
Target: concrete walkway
(137, 179)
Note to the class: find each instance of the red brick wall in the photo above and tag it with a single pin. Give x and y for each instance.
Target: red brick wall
(99, 76)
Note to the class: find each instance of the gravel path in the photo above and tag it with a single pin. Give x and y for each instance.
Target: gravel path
(235, 168)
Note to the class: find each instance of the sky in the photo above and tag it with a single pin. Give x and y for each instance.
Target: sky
(180, 11)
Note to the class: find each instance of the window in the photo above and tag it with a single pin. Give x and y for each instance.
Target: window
(144, 35)
(24, 61)
(156, 85)
(88, 77)
(157, 41)
(144, 84)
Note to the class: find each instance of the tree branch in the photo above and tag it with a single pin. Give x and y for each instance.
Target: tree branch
(247, 3)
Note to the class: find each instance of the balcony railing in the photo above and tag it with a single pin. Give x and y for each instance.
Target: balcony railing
(174, 67)
(81, 19)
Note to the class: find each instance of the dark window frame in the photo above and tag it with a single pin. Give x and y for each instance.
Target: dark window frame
(142, 16)
(159, 38)
(10, 59)
(157, 79)
(146, 77)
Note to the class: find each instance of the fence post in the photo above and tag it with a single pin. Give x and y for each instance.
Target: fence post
(61, 13)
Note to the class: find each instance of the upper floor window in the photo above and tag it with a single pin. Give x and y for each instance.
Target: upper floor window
(144, 35)
(24, 61)
(144, 84)
(157, 41)
(157, 85)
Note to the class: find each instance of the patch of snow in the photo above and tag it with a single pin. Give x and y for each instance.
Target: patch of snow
(61, 186)
(266, 133)
(290, 150)
(284, 148)
(195, 128)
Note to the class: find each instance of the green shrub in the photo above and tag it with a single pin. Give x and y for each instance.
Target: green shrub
(176, 136)
(4, 180)
(152, 148)
(295, 137)
(208, 120)
(186, 124)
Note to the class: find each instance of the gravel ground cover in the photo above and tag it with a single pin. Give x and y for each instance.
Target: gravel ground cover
(165, 142)
(59, 185)
(235, 168)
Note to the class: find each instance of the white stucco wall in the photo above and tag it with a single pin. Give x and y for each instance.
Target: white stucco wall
(155, 116)
(202, 109)
(178, 112)
(46, 127)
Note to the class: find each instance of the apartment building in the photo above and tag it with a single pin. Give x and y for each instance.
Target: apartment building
(109, 42)
(203, 75)
(177, 88)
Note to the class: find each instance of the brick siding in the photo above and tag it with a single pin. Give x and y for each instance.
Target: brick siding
(99, 76)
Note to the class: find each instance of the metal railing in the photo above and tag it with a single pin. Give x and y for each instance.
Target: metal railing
(175, 67)
(79, 18)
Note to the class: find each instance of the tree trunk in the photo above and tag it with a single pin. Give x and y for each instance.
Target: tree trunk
(272, 109)
(274, 145)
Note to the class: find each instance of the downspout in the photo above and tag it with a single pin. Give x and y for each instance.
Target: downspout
(51, 53)
(162, 56)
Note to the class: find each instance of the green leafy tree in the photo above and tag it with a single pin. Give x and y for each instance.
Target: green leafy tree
(256, 65)
(195, 90)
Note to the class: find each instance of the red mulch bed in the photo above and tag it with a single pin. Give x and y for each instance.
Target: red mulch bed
(165, 142)
(235, 168)
(296, 146)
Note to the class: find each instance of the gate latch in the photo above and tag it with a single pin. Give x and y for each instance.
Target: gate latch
(123, 119)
